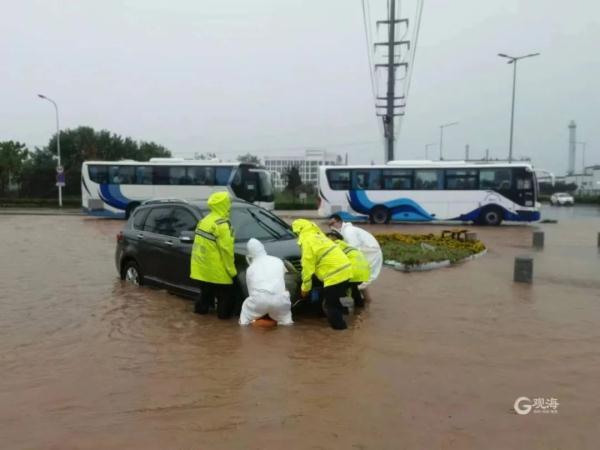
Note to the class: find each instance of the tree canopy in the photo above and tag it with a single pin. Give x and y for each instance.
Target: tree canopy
(36, 171)
(249, 158)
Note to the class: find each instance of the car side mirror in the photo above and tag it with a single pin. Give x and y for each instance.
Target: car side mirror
(186, 237)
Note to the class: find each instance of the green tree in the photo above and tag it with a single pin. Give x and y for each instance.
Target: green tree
(292, 178)
(205, 156)
(249, 158)
(12, 158)
(84, 144)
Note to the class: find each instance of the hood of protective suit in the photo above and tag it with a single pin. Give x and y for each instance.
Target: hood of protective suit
(300, 226)
(220, 204)
(255, 248)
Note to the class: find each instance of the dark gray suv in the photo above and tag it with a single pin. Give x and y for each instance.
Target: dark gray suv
(155, 245)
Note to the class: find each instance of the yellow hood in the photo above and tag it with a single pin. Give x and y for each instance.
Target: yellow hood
(303, 226)
(220, 204)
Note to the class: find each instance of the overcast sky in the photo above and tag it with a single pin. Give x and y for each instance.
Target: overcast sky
(274, 77)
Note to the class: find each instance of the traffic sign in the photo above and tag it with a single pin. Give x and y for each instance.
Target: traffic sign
(60, 178)
(60, 169)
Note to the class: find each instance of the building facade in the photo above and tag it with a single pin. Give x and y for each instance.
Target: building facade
(587, 182)
(308, 166)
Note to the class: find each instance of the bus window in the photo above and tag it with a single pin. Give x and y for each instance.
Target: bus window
(495, 179)
(178, 176)
(98, 174)
(368, 179)
(397, 179)
(161, 175)
(461, 179)
(143, 175)
(429, 180)
(201, 175)
(339, 180)
(222, 175)
(127, 174)
(121, 175)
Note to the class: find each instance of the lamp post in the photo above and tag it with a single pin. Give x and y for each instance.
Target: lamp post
(57, 144)
(513, 60)
(427, 149)
(442, 136)
(583, 144)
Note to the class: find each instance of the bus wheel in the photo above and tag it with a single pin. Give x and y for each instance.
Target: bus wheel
(491, 216)
(380, 215)
(130, 208)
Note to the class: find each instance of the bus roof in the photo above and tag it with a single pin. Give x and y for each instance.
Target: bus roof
(426, 164)
(166, 162)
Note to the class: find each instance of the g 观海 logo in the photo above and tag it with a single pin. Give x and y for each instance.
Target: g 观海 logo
(523, 405)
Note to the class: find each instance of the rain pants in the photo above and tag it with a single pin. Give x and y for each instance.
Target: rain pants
(266, 288)
(368, 245)
(320, 256)
(213, 254)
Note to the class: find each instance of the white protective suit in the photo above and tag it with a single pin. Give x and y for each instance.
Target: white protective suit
(266, 288)
(366, 243)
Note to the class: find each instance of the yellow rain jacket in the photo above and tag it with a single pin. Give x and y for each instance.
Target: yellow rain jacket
(320, 256)
(212, 254)
(361, 272)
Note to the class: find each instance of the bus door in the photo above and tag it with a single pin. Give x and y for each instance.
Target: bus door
(524, 187)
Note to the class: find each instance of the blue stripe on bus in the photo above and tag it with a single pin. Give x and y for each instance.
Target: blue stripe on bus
(400, 209)
(523, 216)
(111, 194)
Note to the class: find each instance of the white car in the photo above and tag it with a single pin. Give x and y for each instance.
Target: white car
(562, 199)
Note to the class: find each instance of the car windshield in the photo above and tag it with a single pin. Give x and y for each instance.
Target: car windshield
(251, 222)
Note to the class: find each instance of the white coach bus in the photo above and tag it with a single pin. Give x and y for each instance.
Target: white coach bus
(421, 191)
(116, 188)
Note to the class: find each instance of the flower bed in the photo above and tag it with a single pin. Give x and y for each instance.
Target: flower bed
(410, 252)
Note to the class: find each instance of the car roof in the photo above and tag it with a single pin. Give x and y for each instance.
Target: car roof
(199, 204)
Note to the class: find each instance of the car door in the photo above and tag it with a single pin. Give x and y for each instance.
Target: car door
(184, 224)
(158, 240)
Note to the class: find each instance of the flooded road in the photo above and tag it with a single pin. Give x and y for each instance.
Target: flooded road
(436, 361)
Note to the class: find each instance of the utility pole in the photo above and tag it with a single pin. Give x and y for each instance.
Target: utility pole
(391, 65)
(513, 60)
(467, 152)
(391, 81)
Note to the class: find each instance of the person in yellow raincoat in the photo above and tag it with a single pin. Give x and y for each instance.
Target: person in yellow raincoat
(361, 272)
(212, 261)
(325, 260)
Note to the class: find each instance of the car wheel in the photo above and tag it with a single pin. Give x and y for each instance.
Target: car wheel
(130, 209)
(132, 273)
(380, 215)
(491, 216)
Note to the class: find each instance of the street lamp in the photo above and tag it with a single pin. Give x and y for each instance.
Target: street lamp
(583, 144)
(513, 60)
(442, 136)
(427, 149)
(57, 144)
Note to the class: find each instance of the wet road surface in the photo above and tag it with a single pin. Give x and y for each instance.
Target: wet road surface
(436, 361)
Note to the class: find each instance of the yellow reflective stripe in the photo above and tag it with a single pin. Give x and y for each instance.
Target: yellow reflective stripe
(325, 253)
(339, 269)
(206, 235)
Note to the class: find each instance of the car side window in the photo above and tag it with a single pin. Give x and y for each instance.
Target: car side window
(139, 217)
(183, 220)
(160, 221)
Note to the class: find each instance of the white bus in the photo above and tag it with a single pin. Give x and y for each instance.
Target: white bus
(116, 188)
(423, 191)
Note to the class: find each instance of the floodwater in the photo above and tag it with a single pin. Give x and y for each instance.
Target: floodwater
(435, 361)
